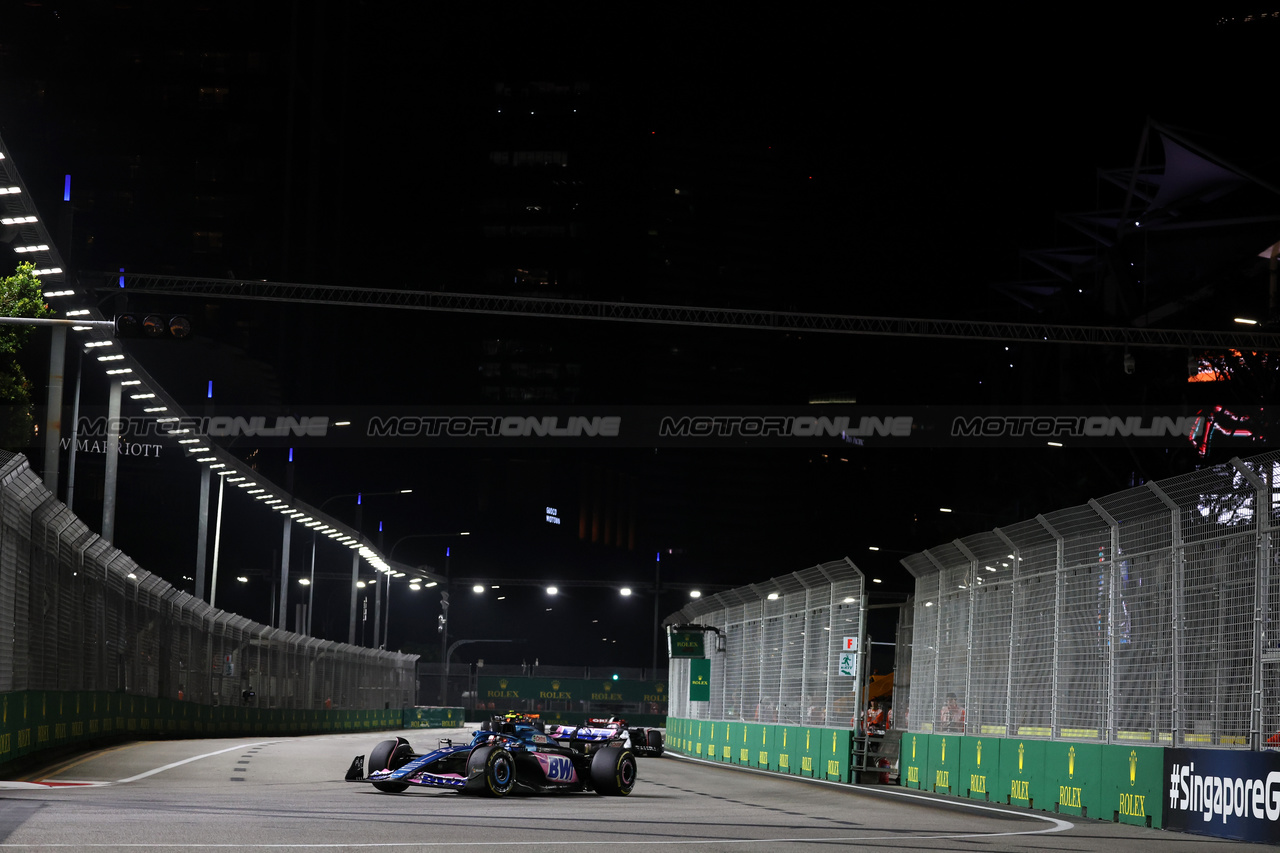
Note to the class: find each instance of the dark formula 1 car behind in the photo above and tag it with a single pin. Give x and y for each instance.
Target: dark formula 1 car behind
(506, 755)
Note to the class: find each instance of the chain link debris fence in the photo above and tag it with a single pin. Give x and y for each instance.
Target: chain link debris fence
(1147, 616)
(78, 614)
(778, 650)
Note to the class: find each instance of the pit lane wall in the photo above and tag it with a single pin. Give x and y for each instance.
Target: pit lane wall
(1218, 792)
(813, 751)
(1117, 782)
(1224, 793)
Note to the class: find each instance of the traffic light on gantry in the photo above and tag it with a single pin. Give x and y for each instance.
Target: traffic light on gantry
(154, 326)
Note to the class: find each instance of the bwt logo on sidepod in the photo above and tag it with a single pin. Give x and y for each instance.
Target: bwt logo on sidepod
(557, 767)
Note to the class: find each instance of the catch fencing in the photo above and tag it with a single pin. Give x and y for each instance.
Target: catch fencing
(778, 650)
(1145, 616)
(77, 614)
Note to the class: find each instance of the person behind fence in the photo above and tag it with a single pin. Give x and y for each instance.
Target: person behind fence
(951, 719)
(876, 719)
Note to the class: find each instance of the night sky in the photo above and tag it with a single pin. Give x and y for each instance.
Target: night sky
(889, 161)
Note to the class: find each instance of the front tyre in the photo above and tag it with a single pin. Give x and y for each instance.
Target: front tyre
(613, 771)
(390, 755)
(491, 770)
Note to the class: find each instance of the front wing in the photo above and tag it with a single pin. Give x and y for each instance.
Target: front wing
(415, 772)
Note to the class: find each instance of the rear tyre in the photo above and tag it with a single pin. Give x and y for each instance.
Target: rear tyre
(613, 771)
(656, 742)
(491, 771)
(390, 755)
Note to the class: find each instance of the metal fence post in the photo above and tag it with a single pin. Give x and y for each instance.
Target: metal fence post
(1262, 513)
(1015, 553)
(973, 605)
(1113, 594)
(1176, 556)
(937, 639)
(1059, 576)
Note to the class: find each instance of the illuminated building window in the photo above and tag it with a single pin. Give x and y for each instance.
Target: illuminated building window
(207, 241)
(213, 97)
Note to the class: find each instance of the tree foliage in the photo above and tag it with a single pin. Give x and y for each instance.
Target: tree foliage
(21, 295)
(1254, 376)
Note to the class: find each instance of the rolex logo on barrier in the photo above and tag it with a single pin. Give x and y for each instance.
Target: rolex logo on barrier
(1021, 751)
(1133, 767)
(1071, 763)
(979, 753)
(555, 685)
(502, 683)
(944, 750)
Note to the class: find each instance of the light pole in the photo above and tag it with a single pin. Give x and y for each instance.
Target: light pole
(444, 592)
(444, 631)
(657, 594)
(355, 557)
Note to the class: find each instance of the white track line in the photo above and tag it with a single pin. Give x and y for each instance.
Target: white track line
(70, 785)
(684, 843)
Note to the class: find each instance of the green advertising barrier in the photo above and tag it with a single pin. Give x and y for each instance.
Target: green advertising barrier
(762, 751)
(702, 738)
(788, 753)
(721, 748)
(1109, 782)
(1073, 774)
(835, 762)
(1023, 780)
(675, 734)
(811, 754)
(433, 718)
(32, 720)
(712, 733)
(1133, 785)
(700, 734)
(980, 768)
(686, 736)
(744, 738)
(802, 751)
(913, 760)
(942, 773)
(734, 740)
(780, 758)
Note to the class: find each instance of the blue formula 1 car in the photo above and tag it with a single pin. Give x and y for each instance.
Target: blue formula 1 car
(505, 755)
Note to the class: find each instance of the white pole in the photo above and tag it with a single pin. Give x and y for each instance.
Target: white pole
(112, 463)
(217, 541)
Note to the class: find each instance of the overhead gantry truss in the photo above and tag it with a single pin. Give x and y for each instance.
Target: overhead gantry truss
(685, 315)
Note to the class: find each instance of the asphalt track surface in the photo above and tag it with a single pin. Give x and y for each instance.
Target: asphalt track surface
(287, 794)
